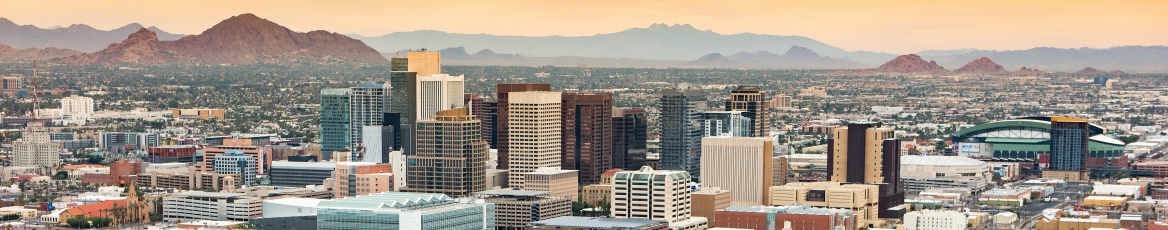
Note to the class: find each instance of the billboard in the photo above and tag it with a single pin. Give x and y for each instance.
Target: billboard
(970, 147)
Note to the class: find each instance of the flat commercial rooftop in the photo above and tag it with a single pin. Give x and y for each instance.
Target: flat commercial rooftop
(593, 222)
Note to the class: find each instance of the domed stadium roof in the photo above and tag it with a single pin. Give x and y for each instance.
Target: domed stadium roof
(1025, 127)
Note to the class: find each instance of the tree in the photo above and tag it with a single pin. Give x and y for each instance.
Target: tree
(61, 175)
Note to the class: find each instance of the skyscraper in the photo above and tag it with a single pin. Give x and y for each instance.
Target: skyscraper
(753, 102)
(630, 134)
(502, 127)
(451, 157)
(378, 141)
(367, 106)
(34, 149)
(741, 164)
(534, 134)
(405, 103)
(1068, 149)
(487, 112)
(586, 134)
(424, 63)
(681, 129)
(725, 123)
(438, 92)
(334, 121)
(866, 153)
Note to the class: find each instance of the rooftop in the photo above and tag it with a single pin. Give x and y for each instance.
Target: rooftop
(939, 160)
(512, 192)
(593, 222)
(394, 200)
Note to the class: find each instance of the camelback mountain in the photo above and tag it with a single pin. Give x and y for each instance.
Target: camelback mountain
(982, 65)
(243, 39)
(1093, 71)
(910, 63)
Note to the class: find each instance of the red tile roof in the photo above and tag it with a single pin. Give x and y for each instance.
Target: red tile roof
(97, 209)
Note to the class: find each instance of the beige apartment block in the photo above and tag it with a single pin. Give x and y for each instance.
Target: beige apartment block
(594, 194)
(740, 164)
(559, 182)
(533, 134)
(451, 157)
(860, 198)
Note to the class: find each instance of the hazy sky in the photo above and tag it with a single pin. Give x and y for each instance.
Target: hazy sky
(897, 26)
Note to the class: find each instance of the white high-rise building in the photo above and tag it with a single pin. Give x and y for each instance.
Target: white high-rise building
(934, 220)
(367, 106)
(438, 92)
(77, 107)
(655, 195)
(741, 164)
(35, 149)
(534, 134)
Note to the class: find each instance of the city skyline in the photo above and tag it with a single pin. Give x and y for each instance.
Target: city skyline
(904, 26)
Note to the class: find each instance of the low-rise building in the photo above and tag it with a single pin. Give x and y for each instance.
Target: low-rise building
(935, 220)
(1130, 191)
(861, 199)
(299, 174)
(230, 205)
(1005, 197)
(597, 193)
(519, 208)
(406, 211)
(592, 223)
(708, 200)
(560, 182)
(361, 178)
(191, 179)
(944, 172)
(799, 216)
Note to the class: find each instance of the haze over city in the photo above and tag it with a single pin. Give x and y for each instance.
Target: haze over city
(896, 26)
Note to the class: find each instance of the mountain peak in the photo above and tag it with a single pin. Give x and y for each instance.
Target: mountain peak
(982, 65)
(910, 63)
(801, 52)
(4, 22)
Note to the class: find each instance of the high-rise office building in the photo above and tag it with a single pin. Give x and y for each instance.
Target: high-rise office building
(630, 133)
(586, 137)
(742, 165)
(77, 107)
(867, 153)
(655, 195)
(405, 104)
(438, 92)
(1068, 149)
(127, 141)
(487, 112)
(726, 123)
(367, 106)
(451, 155)
(334, 121)
(753, 102)
(502, 127)
(34, 149)
(533, 134)
(681, 130)
(378, 141)
(237, 163)
(424, 63)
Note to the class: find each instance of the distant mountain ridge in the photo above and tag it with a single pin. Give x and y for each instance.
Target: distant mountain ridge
(656, 42)
(1129, 58)
(9, 53)
(242, 39)
(78, 37)
(795, 58)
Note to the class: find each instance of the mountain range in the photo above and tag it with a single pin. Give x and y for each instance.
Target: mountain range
(658, 45)
(656, 42)
(79, 37)
(242, 39)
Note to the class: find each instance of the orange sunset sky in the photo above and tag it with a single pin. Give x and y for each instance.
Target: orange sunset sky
(896, 26)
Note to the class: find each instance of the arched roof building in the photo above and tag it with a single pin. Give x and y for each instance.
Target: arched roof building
(1026, 137)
